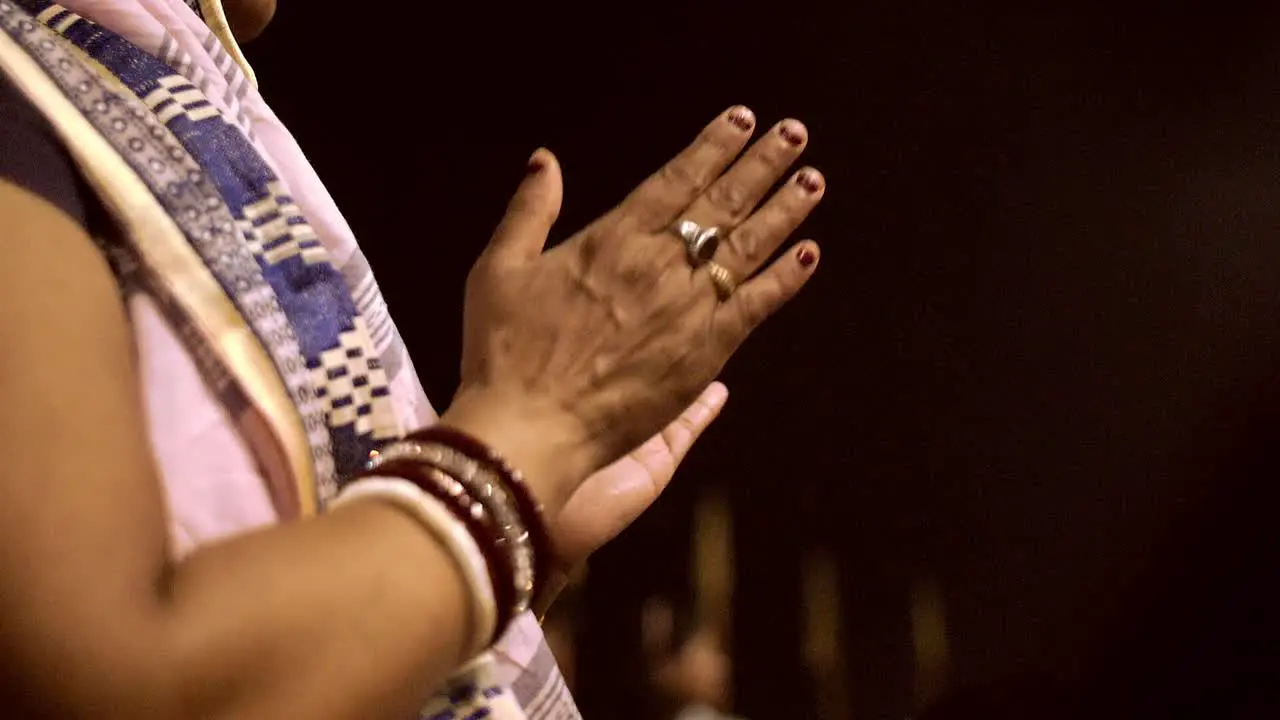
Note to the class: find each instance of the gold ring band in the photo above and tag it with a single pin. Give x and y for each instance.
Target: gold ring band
(723, 279)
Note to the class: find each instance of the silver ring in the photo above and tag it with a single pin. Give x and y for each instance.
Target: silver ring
(700, 242)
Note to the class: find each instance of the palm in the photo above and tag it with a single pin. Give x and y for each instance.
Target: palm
(614, 497)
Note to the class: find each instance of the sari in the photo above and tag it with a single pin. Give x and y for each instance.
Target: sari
(269, 363)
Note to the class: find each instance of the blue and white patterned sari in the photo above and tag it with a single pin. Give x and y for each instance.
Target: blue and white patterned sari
(268, 358)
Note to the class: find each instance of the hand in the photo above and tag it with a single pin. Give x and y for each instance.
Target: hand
(611, 499)
(573, 356)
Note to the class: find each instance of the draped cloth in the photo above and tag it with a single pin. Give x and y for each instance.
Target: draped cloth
(269, 362)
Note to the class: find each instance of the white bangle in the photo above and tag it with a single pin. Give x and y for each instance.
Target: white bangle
(436, 518)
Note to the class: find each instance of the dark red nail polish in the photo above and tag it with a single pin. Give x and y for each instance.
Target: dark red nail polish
(807, 257)
(742, 118)
(535, 165)
(809, 180)
(792, 132)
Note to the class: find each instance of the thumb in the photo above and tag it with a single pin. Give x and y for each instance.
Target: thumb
(686, 429)
(665, 451)
(532, 211)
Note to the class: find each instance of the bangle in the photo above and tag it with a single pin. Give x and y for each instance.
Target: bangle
(404, 460)
(530, 509)
(431, 513)
(490, 490)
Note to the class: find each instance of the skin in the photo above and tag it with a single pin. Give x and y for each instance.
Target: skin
(248, 18)
(357, 613)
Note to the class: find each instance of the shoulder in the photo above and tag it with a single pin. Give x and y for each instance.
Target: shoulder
(34, 159)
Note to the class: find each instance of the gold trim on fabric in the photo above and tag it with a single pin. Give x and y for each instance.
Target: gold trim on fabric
(216, 19)
(161, 244)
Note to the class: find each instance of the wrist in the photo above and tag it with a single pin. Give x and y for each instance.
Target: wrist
(550, 449)
(554, 584)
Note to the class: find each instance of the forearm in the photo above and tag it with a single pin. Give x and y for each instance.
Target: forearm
(356, 614)
(360, 613)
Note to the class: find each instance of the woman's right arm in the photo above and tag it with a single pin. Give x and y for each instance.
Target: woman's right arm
(353, 614)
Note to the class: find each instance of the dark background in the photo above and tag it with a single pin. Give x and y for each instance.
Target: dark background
(1036, 365)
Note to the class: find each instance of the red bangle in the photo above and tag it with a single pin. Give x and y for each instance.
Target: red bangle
(530, 509)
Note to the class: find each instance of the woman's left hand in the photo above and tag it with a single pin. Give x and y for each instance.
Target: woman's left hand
(614, 497)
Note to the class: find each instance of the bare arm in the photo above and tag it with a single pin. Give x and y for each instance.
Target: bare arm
(328, 618)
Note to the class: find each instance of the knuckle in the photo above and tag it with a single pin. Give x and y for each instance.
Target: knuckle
(747, 241)
(775, 156)
(756, 307)
(588, 250)
(787, 210)
(717, 139)
(731, 331)
(684, 427)
(634, 269)
(753, 310)
(633, 274)
(698, 163)
(680, 173)
(730, 196)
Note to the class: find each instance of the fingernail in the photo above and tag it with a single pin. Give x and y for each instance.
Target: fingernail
(535, 164)
(806, 257)
(792, 131)
(742, 118)
(810, 180)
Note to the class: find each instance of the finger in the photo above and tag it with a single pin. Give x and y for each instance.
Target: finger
(751, 243)
(729, 199)
(533, 209)
(655, 203)
(662, 453)
(685, 430)
(756, 300)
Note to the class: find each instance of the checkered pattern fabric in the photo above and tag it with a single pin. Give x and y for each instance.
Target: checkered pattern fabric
(276, 231)
(176, 96)
(352, 386)
(293, 270)
(243, 223)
